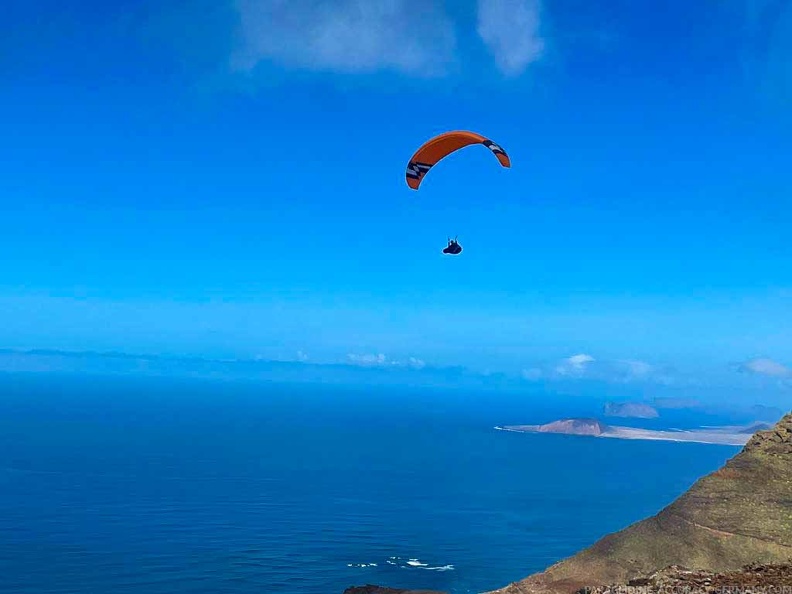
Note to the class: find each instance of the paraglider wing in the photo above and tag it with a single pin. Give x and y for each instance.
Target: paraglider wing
(443, 145)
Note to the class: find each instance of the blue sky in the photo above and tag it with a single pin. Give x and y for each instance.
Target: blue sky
(225, 179)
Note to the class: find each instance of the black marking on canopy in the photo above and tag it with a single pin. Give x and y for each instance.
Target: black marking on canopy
(416, 169)
(494, 147)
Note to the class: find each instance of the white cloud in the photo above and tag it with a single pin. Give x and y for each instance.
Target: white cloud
(511, 31)
(416, 363)
(367, 360)
(415, 37)
(585, 367)
(638, 368)
(301, 356)
(580, 360)
(382, 360)
(628, 371)
(574, 365)
(766, 367)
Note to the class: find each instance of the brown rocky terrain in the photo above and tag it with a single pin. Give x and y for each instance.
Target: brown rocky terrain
(738, 515)
(752, 578)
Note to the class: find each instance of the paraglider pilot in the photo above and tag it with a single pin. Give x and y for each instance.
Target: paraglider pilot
(453, 248)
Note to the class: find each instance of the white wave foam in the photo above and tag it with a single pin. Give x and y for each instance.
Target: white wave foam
(361, 564)
(415, 563)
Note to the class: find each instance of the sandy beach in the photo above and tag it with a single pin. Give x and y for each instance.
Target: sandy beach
(732, 436)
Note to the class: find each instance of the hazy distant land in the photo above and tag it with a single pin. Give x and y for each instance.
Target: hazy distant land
(637, 410)
(737, 436)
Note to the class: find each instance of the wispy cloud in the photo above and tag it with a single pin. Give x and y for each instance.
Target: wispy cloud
(575, 365)
(415, 37)
(416, 363)
(584, 366)
(511, 29)
(367, 360)
(638, 368)
(768, 44)
(533, 374)
(382, 360)
(766, 367)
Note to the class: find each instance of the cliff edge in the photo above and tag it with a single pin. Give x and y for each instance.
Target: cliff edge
(734, 517)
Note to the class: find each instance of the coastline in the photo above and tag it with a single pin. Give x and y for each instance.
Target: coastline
(713, 436)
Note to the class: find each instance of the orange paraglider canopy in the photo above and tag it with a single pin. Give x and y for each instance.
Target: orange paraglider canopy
(443, 145)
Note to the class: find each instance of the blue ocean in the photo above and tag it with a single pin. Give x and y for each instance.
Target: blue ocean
(155, 486)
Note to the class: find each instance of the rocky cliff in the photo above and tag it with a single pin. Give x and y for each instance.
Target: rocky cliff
(738, 515)
(751, 578)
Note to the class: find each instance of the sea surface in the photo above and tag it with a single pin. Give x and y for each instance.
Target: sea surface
(122, 485)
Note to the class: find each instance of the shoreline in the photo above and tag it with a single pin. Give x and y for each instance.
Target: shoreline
(712, 436)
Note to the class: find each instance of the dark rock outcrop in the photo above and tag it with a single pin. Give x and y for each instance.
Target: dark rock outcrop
(738, 515)
(567, 427)
(564, 427)
(574, 427)
(680, 579)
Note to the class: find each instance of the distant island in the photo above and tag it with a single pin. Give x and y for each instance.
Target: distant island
(636, 410)
(676, 403)
(735, 436)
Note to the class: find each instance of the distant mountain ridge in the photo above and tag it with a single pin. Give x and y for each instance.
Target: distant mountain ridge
(635, 410)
